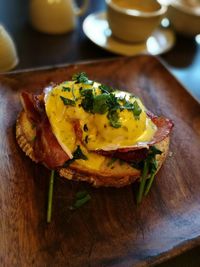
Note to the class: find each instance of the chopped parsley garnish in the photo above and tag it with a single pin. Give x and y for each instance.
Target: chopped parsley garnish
(149, 169)
(68, 101)
(100, 103)
(73, 93)
(106, 89)
(137, 110)
(81, 78)
(81, 198)
(78, 154)
(134, 107)
(114, 119)
(105, 102)
(87, 101)
(85, 92)
(154, 151)
(66, 89)
(108, 102)
(113, 102)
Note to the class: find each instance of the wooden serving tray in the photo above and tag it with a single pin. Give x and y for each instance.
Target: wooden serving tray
(110, 230)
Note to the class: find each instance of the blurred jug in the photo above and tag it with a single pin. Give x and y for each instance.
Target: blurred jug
(55, 16)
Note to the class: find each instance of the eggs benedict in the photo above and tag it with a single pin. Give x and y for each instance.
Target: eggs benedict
(92, 132)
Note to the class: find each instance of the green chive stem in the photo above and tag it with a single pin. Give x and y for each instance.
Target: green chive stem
(142, 183)
(50, 197)
(149, 183)
(80, 202)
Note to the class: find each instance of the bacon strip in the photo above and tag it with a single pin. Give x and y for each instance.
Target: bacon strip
(164, 126)
(46, 147)
(29, 106)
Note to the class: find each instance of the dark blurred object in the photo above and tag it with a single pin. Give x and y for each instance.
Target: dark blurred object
(8, 53)
(37, 49)
(185, 16)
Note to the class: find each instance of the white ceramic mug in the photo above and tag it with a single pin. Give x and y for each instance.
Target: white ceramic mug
(55, 16)
(134, 20)
(8, 54)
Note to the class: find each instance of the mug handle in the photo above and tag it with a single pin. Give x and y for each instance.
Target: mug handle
(79, 11)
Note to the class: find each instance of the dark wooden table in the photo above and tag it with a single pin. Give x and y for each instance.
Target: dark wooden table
(36, 50)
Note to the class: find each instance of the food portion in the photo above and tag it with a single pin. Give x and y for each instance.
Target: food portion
(92, 132)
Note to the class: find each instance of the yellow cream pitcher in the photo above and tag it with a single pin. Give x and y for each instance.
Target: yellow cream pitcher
(55, 16)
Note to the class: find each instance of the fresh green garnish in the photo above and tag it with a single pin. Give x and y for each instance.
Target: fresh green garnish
(73, 93)
(154, 151)
(85, 92)
(67, 101)
(106, 89)
(113, 102)
(50, 196)
(143, 181)
(78, 154)
(106, 102)
(134, 107)
(87, 101)
(114, 118)
(81, 78)
(151, 178)
(66, 89)
(137, 110)
(100, 104)
(81, 198)
(149, 169)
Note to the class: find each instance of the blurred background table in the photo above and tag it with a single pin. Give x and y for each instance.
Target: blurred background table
(38, 50)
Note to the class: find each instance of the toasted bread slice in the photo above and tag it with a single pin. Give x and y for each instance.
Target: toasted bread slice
(25, 134)
(116, 174)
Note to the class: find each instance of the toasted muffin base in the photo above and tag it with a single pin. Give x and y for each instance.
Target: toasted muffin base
(25, 134)
(117, 176)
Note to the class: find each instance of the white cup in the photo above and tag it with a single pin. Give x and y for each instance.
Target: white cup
(134, 20)
(55, 16)
(8, 54)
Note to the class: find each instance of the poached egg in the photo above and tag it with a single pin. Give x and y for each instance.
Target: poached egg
(107, 119)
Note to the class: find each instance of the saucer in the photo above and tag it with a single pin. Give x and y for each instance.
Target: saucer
(95, 27)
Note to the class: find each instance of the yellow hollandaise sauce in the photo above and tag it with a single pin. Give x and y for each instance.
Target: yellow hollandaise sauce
(96, 117)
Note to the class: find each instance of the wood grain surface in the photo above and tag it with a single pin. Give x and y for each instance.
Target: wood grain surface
(110, 230)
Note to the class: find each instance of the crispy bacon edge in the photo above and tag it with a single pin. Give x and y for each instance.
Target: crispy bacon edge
(46, 147)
